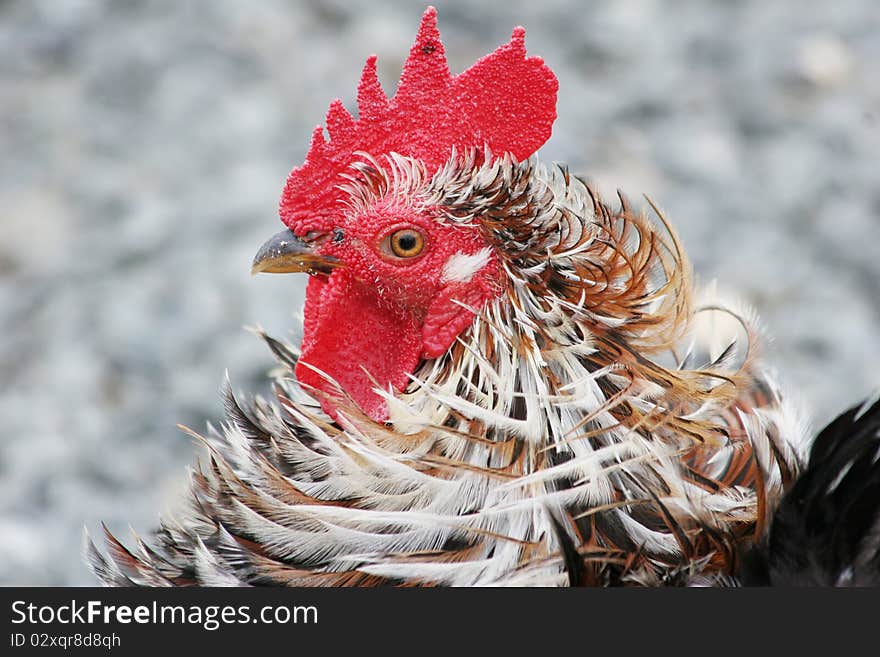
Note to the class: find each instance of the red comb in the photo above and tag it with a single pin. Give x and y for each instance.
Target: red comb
(506, 101)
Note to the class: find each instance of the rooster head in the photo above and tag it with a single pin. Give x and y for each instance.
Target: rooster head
(395, 278)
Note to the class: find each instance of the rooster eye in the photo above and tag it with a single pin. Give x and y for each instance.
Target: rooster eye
(406, 243)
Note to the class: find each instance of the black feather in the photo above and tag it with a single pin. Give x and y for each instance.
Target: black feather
(826, 530)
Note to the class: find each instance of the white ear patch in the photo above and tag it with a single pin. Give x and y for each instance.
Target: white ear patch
(461, 267)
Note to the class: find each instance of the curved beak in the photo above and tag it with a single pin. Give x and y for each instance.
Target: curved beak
(285, 253)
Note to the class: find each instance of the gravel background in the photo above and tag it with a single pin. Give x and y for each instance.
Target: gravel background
(145, 144)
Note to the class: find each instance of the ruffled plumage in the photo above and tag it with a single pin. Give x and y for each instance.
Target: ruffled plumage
(600, 423)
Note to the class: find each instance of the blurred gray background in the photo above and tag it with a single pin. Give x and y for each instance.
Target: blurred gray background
(145, 145)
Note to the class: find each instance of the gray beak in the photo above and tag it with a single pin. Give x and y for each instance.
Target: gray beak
(285, 253)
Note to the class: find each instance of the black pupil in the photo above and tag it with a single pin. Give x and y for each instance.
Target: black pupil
(406, 242)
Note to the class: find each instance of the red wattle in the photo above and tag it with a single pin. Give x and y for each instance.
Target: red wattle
(349, 329)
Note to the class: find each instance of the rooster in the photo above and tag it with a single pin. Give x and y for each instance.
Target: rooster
(504, 378)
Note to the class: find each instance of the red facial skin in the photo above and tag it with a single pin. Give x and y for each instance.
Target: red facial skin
(385, 314)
